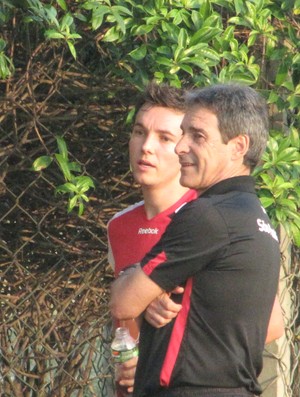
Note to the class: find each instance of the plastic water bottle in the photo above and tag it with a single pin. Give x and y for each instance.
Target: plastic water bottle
(123, 348)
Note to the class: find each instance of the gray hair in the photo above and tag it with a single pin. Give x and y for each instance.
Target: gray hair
(240, 110)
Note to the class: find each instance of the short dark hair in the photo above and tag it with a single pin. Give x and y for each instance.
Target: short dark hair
(239, 110)
(162, 95)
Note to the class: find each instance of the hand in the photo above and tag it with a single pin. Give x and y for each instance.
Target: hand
(125, 373)
(163, 309)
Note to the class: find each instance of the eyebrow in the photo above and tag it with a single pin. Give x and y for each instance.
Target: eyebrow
(168, 132)
(192, 129)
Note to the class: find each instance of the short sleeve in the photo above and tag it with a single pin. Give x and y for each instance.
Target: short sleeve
(196, 236)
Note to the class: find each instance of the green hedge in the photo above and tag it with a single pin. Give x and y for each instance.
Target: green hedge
(191, 43)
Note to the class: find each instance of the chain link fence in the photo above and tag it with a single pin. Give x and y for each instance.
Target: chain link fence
(55, 322)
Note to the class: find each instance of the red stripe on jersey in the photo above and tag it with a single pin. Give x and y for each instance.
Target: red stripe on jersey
(176, 337)
(153, 263)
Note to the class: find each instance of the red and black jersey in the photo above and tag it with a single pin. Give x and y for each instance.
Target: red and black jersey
(223, 249)
(131, 235)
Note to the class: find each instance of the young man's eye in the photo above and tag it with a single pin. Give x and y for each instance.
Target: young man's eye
(137, 132)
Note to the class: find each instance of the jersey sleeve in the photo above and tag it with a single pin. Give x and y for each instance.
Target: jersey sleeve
(196, 236)
(110, 255)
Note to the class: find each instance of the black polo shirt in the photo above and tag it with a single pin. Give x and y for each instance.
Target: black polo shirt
(223, 249)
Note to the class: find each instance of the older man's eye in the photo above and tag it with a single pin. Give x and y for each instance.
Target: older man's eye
(198, 136)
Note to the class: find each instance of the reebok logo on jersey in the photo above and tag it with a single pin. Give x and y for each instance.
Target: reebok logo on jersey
(148, 230)
(267, 228)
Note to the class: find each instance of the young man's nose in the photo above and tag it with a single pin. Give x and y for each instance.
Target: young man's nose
(148, 144)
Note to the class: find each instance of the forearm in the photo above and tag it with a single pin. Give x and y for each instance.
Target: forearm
(131, 293)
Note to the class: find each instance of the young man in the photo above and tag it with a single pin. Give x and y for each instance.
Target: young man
(221, 247)
(155, 166)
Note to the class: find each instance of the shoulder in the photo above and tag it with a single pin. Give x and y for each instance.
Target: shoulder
(199, 213)
(127, 212)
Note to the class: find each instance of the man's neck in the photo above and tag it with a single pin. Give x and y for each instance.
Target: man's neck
(159, 199)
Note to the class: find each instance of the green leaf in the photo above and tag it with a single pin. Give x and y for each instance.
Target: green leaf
(74, 166)
(98, 15)
(72, 48)
(159, 76)
(53, 34)
(228, 33)
(67, 188)
(174, 69)
(252, 37)
(195, 49)
(164, 50)
(72, 203)
(80, 209)
(122, 10)
(139, 53)
(6, 67)
(41, 163)
(84, 181)
(62, 189)
(239, 6)
(119, 18)
(199, 62)
(74, 36)
(67, 20)
(111, 35)
(130, 116)
(63, 164)
(187, 69)
(287, 155)
(266, 201)
(2, 44)
(213, 21)
(182, 38)
(205, 9)
(251, 13)
(84, 197)
(239, 21)
(281, 74)
(62, 147)
(142, 29)
(62, 4)
(209, 53)
(163, 61)
(204, 35)
(295, 230)
(289, 204)
(273, 97)
(197, 20)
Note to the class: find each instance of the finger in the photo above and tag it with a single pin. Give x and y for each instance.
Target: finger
(157, 320)
(162, 304)
(178, 290)
(168, 305)
(125, 372)
(126, 382)
(129, 388)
